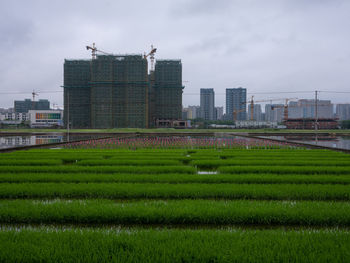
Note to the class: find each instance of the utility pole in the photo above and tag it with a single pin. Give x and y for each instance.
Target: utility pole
(316, 116)
(68, 115)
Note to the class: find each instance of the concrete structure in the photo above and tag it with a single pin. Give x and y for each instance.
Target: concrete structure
(23, 106)
(343, 111)
(256, 112)
(116, 92)
(236, 100)
(219, 113)
(45, 118)
(307, 109)
(274, 112)
(207, 104)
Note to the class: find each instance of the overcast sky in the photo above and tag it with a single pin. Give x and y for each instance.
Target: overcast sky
(264, 46)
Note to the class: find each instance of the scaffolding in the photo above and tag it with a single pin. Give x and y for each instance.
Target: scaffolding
(107, 92)
(116, 92)
(168, 90)
(77, 93)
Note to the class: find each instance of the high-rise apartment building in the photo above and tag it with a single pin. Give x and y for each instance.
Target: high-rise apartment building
(236, 100)
(115, 91)
(166, 92)
(256, 112)
(207, 104)
(274, 112)
(23, 106)
(343, 111)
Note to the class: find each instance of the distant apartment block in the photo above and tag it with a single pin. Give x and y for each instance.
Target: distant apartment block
(303, 109)
(274, 112)
(256, 112)
(23, 106)
(12, 116)
(193, 112)
(207, 104)
(219, 113)
(236, 100)
(343, 111)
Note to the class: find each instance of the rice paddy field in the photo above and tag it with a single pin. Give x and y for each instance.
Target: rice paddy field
(175, 200)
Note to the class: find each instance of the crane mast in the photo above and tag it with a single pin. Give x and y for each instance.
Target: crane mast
(94, 50)
(151, 56)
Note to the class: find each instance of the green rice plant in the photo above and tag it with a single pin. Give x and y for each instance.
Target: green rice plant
(285, 169)
(128, 162)
(174, 178)
(265, 162)
(97, 169)
(176, 191)
(29, 162)
(104, 245)
(179, 212)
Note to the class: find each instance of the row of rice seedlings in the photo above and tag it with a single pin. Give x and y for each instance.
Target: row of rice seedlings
(71, 245)
(285, 153)
(98, 169)
(286, 158)
(160, 162)
(174, 178)
(264, 162)
(88, 156)
(99, 151)
(176, 191)
(25, 162)
(285, 169)
(184, 212)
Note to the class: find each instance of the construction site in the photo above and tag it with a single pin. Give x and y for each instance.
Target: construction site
(302, 114)
(120, 91)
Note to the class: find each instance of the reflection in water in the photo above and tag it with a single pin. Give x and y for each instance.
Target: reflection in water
(341, 142)
(18, 141)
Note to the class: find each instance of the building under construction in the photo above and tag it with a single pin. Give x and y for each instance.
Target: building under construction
(116, 91)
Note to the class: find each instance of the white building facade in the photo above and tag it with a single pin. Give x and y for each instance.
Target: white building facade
(45, 118)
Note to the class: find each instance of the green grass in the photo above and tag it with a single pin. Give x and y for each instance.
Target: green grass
(176, 191)
(178, 212)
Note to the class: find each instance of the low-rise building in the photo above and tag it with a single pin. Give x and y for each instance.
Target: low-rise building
(45, 118)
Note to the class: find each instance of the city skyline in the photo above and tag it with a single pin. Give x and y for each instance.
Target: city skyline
(264, 46)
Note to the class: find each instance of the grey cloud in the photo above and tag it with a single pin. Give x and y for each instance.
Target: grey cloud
(268, 45)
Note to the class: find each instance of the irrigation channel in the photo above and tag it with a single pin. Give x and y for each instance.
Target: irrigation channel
(172, 198)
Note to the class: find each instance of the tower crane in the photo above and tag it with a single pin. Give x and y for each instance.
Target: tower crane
(235, 113)
(151, 56)
(251, 104)
(286, 107)
(94, 50)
